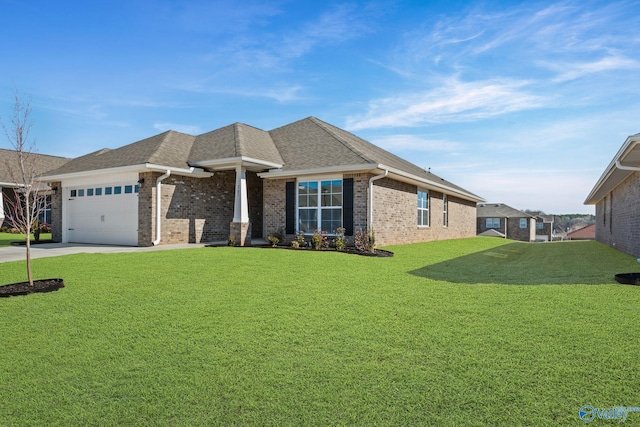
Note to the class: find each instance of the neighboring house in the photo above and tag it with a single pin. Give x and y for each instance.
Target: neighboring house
(616, 197)
(500, 220)
(544, 227)
(8, 185)
(584, 233)
(248, 183)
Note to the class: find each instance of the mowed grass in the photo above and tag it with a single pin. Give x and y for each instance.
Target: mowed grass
(466, 332)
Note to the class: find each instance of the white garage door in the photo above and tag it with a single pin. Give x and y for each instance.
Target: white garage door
(105, 214)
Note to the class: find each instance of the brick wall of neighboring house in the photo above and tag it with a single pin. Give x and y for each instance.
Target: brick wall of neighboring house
(617, 219)
(527, 234)
(56, 212)
(545, 230)
(8, 195)
(481, 225)
(194, 210)
(395, 217)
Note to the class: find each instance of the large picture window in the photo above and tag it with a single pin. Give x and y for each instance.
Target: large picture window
(319, 205)
(423, 208)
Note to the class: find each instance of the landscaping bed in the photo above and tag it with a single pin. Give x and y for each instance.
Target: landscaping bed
(23, 288)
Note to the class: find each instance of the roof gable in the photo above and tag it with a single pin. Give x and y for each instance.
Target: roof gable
(499, 210)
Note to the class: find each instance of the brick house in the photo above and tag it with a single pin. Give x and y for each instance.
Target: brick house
(8, 184)
(248, 183)
(500, 220)
(616, 197)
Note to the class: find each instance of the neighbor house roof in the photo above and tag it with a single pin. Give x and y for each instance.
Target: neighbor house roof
(43, 164)
(492, 232)
(499, 210)
(624, 163)
(584, 233)
(306, 146)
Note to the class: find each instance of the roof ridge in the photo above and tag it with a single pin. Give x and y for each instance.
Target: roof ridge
(165, 143)
(238, 138)
(328, 128)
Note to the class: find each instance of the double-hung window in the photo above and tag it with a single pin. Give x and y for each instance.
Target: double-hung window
(523, 222)
(445, 211)
(423, 208)
(493, 223)
(320, 205)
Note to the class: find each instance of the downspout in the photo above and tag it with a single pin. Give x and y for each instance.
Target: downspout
(159, 205)
(506, 226)
(373, 178)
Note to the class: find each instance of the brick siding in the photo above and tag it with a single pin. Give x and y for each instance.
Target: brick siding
(56, 213)
(617, 218)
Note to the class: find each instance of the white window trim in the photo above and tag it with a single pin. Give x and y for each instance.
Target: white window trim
(445, 211)
(428, 224)
(523, 221)
(319, 179)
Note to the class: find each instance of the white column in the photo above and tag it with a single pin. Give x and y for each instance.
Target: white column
(1, 207)
(240, 206)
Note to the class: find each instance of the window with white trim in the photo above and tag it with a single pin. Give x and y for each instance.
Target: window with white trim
(319, 205)
(523, 222)
(423, 208)
(445, 211)
(492, 223)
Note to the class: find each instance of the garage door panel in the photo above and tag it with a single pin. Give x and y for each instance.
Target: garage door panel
(103, 219)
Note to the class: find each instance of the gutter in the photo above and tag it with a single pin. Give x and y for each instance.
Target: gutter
(626, 168)
(159, 205)
(373, 178)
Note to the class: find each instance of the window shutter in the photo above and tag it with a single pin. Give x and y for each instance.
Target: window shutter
(347, 206)
(290, 208)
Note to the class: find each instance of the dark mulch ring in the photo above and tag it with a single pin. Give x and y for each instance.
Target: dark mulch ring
(628, 278)
(23, 288)
(33, 242)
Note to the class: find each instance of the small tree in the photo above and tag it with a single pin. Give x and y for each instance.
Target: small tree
(29, 201)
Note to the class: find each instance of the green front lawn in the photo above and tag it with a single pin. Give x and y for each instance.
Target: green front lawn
(467, 332)
(7, 238)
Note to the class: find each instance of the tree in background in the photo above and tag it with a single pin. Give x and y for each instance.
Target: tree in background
(30, 200)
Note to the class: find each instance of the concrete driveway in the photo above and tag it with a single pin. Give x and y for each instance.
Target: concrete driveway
(17, 253)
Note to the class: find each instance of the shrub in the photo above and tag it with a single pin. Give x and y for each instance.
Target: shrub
(320, 240)
(231, 241)
(365, 241)
(340, 241)
(274, 240)
(295, 244)
(300, 239)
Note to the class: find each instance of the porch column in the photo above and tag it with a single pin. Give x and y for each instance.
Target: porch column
(1, 207)
(240, 226)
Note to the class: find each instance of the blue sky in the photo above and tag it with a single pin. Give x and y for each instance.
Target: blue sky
(522, 103)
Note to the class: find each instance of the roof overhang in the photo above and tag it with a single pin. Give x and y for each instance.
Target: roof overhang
(145, 167)
(625, 163)
(250, 163)
(375, 168)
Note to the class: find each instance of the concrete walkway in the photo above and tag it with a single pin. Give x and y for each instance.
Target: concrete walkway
(17, 253)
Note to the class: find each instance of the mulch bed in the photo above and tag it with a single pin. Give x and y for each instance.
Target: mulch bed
(33, 242)
(380, 253)
(23, 288)
(628, 278)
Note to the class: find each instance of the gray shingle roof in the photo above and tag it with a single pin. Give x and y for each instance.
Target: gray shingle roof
(305, 144)
(311, 143)
(44, 163)
(499, 210)
(235, 140)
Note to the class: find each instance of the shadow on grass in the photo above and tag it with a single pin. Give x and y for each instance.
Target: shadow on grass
(519, 263)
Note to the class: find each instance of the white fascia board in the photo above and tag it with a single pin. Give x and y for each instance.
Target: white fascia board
(196, 172)
(145, 167)
(629, 145)
(413, 179)
(276, 174)
(10, 185)
(233, 162)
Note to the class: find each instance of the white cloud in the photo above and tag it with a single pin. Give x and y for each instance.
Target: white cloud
(572, 71)
(455, 101)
